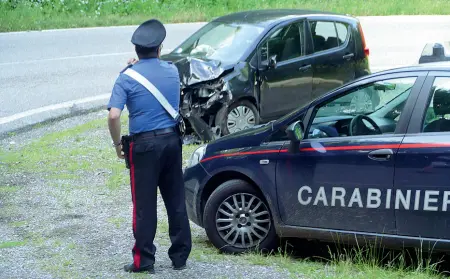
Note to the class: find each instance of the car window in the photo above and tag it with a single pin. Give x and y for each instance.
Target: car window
(285, 43)
(220, 41)
(342, 32)
(327, 34)
(369, 110)
(437, 116)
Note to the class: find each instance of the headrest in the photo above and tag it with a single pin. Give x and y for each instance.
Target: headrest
(441, 102)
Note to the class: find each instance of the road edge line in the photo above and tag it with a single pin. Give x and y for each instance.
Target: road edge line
(25, 121)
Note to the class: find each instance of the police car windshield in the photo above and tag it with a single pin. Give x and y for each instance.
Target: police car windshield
(220, 41)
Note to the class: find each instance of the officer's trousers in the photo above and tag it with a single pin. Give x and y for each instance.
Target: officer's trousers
(157, 161)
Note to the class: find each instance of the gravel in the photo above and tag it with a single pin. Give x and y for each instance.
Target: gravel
(77, 228)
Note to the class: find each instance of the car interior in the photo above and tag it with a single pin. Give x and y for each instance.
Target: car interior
(286, 44)
(383, 120)
(440, 110)
(319, 41)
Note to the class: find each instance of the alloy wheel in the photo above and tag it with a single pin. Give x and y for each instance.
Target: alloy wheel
(243, 220)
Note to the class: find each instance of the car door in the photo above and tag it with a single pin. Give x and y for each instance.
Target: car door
(287, 83)
(334, 53)
(340, 179)
(422, 173)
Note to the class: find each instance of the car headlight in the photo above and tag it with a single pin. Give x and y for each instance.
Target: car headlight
(197, 156)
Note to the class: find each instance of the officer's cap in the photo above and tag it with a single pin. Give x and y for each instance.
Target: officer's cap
(149, 34)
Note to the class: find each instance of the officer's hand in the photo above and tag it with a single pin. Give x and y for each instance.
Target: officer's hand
(119, 152)
(132, 61)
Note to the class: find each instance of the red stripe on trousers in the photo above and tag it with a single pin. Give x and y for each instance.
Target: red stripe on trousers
(137, 253)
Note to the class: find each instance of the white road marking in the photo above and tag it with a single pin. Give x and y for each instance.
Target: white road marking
(74, 57)
(104, 97)
(66, 58)
(68, 104)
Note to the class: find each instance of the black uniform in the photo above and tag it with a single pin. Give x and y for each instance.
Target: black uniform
(153, 153)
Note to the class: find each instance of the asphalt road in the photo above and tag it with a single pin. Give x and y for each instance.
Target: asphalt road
(40, 69)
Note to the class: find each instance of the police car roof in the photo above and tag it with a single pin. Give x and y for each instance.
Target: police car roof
(435, 66)
(271, 16)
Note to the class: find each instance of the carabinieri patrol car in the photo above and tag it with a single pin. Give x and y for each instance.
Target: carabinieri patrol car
(333, 169)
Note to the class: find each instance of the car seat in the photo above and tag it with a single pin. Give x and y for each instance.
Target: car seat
(441, 107)
(331, 42)
(291, 49)
(319, 43)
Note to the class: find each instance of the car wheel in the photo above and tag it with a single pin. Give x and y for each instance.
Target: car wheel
(239, 116)
(237, 219)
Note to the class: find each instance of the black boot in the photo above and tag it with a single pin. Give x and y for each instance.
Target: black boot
(179, 267)
(132, 268)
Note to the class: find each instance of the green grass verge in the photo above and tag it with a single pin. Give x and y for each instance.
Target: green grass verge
(11, 244)
(35, 15)
(62, 155)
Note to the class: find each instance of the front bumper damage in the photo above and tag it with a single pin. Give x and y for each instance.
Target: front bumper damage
(204, 105)
(205, 95)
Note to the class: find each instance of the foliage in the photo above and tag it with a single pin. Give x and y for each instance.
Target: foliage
(44, 14)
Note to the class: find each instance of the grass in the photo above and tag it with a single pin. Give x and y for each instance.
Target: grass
(18, 15)
(341, 263)
(8, 189)
(11, 244)
(63, 148)
(47, 155)
(18, 224)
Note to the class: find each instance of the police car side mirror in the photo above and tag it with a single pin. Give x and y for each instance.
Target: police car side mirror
(295, 134)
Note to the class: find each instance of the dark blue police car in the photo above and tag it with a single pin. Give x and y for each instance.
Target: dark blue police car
(331, 169)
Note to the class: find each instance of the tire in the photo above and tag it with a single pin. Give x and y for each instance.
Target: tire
(243, 106)
(225, 193)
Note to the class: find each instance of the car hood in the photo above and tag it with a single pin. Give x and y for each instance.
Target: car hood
(195, 70)
(243, 139)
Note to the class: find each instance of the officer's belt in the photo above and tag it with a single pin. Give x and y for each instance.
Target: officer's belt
(153, 133)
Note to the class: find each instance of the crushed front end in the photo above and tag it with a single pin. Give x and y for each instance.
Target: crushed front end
(201, 104)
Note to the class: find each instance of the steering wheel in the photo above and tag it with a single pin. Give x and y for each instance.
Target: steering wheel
(355, 127)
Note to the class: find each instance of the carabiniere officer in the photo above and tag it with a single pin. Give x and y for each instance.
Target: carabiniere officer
(152, 150)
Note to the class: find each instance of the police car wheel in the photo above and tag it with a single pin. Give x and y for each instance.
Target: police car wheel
(239, 116)
(237, 219)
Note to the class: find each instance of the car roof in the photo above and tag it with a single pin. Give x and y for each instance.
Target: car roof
(434, 66)
(268, 17)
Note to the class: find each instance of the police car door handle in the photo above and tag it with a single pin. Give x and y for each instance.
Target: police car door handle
(381, 154)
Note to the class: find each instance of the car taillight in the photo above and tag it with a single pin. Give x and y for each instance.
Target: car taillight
(363, 39)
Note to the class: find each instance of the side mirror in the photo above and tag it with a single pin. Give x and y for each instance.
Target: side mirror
(272, 61)
(384, 86)
(295, 134)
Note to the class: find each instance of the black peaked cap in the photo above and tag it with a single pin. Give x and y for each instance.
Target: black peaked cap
(149, 34)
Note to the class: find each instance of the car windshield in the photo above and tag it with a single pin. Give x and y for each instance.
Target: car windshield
(220, 41)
